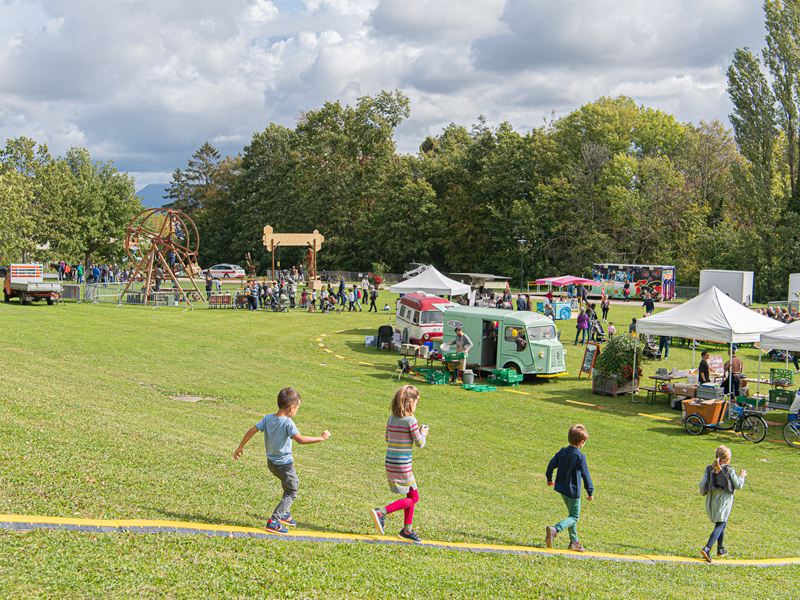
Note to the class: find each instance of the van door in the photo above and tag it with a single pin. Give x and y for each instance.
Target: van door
(489, 345)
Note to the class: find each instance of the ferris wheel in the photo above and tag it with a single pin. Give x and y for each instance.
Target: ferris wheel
(165, 238)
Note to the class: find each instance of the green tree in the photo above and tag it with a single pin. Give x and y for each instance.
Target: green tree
(91, 205)
(191, 189)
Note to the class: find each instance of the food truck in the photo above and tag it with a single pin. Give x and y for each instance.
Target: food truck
(494, 334)
(419, 317)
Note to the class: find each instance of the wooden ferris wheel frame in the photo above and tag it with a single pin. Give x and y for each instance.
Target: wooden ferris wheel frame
(162, 241)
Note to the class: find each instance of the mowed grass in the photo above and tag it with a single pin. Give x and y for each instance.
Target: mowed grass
(90, 427)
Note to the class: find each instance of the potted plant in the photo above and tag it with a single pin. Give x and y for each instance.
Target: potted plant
(376, 276)
(613, 369)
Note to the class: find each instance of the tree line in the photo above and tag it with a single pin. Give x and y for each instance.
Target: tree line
(610, 182)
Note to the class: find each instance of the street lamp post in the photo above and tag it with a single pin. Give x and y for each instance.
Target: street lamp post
(521, 261)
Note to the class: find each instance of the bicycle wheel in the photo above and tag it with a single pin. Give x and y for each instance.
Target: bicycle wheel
(694, 424)
(754, 429)
(791, 433)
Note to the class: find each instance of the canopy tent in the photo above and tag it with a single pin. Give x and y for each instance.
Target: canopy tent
(785, 338)
(566, 280)
(711, 316)
(431, 281)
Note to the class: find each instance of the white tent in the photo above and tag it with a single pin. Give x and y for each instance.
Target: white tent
(431, 281)
(785, 338)
(711, 316)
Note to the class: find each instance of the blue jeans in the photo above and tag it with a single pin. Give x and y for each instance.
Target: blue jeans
(578, 334)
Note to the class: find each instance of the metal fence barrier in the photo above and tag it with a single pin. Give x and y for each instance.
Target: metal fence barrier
(686, 293)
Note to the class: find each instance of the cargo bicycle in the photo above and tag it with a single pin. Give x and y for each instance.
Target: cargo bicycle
(750, 423)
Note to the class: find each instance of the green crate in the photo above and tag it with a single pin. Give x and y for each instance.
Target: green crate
(503, 372)
(781, 399)
(436, 377)
(475, 387)
(497, 380)
(786, 375)
(451, 356)
(755, 402)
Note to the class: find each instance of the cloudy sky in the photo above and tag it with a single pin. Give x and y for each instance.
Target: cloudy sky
(146, 82)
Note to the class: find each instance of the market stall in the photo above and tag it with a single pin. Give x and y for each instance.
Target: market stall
(711, 316)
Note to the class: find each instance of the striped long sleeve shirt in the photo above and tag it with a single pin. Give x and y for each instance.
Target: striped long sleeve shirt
(402, 433)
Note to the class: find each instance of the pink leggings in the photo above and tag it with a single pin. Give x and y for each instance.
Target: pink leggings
(407, 505)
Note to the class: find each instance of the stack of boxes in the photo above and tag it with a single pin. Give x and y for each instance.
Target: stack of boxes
(505, 377)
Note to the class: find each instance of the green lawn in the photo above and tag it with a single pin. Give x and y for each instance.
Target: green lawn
(90, 428)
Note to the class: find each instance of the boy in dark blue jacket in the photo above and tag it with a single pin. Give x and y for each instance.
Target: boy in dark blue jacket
(571, 467)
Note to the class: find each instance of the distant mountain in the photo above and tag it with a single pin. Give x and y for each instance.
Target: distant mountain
(153, 195)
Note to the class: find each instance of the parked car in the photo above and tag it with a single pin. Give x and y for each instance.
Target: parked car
(226, 271)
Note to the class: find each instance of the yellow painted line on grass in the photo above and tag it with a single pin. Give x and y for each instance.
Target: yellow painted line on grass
(368, 364)
(342, 357)
(581, 403)
(321, 345)
(24, 523)
(328, 351)
(653, 417)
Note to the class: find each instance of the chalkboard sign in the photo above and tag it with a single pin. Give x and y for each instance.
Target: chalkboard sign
(591, 352)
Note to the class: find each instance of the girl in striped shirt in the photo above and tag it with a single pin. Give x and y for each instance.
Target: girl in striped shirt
(402, 433)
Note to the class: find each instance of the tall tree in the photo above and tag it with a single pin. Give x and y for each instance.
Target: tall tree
(190, 189)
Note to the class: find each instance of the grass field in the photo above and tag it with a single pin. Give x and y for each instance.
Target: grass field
(91, 427)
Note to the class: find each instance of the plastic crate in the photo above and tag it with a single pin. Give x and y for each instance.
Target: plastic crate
(475, 387)
(786, 375)
(781, 397)
(754, 402)
(497, 380)
(451, 356)
(436, 377)
(503, 372)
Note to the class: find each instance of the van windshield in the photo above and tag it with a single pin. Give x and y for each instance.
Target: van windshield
(432, 316)
(541, 332)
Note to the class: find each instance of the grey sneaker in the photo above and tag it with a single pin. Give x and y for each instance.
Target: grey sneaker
(379, 519)
(411, 536)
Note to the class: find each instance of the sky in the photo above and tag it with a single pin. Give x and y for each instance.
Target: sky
(147, 82)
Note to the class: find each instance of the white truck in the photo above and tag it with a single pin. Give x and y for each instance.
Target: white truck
(25, 282)
(737, 284)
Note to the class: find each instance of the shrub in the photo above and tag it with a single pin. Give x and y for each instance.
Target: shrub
(616, 359)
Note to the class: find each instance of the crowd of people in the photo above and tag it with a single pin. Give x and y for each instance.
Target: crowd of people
(286, 294)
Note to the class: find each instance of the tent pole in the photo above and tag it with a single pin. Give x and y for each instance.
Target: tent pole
(758, 383)
(633, 385)
(693, 349)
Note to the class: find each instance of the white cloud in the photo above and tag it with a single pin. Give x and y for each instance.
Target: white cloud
(146, 82)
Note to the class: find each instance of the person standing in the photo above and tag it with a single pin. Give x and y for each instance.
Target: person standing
(521, 304)
(571, 468)
(703, 375)
(364, 290)
(734, 369)
(605, 304)
(462, 344)
(626, 291)
(649, 305)
(579, 292)
(159, 275)
(292, 294)
(582, 327)
(663, 346)
(209, 283)
(342, 292)
(718, 486)
(373, 296)
(402, 434)
(80, 273)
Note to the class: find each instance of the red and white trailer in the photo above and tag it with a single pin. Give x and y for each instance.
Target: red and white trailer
(25, 282)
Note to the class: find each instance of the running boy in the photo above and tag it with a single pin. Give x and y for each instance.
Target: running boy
(571, 467)
(279, 431)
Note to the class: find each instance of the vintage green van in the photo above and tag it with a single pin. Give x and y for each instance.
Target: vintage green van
(495, 333)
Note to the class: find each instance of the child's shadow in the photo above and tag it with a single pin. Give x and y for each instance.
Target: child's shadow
(199, 519)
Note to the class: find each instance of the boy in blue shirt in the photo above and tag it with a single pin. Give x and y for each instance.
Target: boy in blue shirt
(279, 431)
(571, 467)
